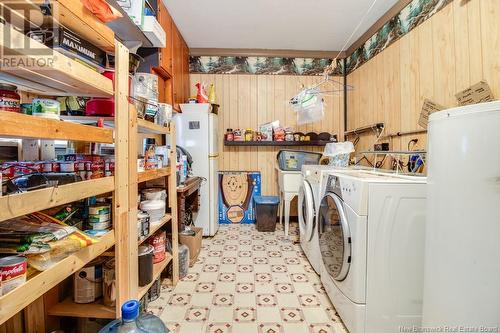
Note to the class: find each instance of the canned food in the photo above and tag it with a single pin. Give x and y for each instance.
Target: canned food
(99, 218)
(67, 166)
(158, 241)
(13, 272)
(88, 282)
(47, 167)
(100, 209)
(100, 225)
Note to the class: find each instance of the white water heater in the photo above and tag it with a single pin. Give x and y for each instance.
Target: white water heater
(462, 262)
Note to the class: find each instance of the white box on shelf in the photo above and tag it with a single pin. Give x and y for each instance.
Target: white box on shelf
(154, 31)
(134, 9)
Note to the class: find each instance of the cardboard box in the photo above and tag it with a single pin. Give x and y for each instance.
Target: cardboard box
(154, 32)
(478, 93)
(236, 192)
(193, 243)
(428, 108)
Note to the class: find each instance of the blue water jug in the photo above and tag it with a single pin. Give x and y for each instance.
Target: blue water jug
(132, 322)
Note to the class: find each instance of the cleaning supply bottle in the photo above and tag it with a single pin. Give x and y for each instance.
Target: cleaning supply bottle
(201, 95)
(132, 322)
(211, 94)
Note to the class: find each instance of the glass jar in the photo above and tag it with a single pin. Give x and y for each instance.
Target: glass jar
(288, 135)
(9, 98)
(229, 134)
(249, 134)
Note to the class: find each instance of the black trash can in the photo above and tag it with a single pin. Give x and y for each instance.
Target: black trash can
(266, 212)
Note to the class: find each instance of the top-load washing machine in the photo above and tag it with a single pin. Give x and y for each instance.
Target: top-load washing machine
(309, 197)
(371, 237)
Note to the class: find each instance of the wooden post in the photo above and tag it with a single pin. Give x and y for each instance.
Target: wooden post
(125, 233)
(172, 179)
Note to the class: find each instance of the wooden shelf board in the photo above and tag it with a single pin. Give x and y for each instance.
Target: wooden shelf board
(147, 127)
(143, 126)
(156, 226)
(70, 14)
(157, 269)
(276, 143)
(15, 205)
(48, 72)
(68, 308)
(152, 174)
(24, 126)
(19, 298)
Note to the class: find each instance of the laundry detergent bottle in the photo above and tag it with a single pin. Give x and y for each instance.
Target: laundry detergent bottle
(132, 322)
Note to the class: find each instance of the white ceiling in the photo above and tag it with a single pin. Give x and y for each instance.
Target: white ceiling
(322, 25)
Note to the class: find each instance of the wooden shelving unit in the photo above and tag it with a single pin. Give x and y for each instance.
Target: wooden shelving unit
(144, 129)
(37, 285)
(39, 298)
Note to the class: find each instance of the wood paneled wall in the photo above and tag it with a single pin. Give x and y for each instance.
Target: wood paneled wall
(249, 100)
(457, 47)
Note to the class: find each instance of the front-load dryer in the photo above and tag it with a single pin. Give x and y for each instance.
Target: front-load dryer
(371, 236)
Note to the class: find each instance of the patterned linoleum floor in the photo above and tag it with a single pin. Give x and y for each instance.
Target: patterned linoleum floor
(249, 281)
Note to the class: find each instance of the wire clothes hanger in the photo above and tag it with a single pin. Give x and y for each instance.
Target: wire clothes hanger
(314, 90)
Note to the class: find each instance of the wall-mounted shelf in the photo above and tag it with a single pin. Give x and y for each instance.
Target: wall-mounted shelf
(276, 143)
(394, 152)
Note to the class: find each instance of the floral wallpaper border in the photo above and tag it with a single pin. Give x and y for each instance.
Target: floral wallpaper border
(257, 65)
(415, 13)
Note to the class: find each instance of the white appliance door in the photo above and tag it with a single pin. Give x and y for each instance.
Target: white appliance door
(213, 187)
(192, 134)
(334, 237)
(307, 215)
(213, 134)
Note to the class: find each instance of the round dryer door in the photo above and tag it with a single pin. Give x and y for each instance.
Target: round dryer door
(307, 216)
(335, 238)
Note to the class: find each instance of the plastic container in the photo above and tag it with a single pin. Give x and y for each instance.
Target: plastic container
(293, 160)
(146, 254)
(339, 153)
(46, 108)
(155, 209)
(132, 322)
(266, 212)
(183, 261)
(154, 193)
(145, 85)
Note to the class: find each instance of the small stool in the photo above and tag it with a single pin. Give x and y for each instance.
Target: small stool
(289, 183)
